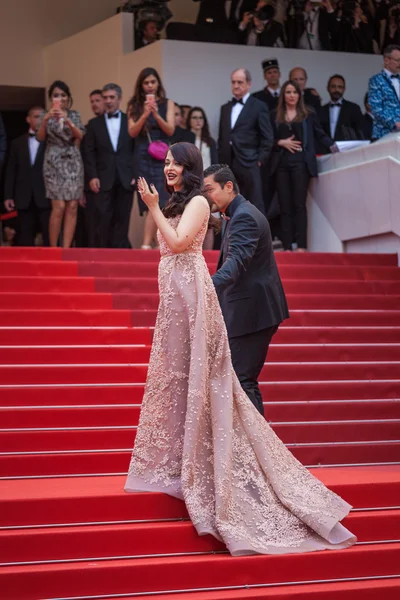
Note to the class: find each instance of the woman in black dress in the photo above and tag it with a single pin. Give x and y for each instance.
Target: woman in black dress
(294, 162)
(150, 118)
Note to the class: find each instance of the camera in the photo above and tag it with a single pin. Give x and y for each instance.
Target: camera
(149, 10)
(265, 13)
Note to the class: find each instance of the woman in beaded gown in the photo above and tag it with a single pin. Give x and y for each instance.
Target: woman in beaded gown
(199, 437)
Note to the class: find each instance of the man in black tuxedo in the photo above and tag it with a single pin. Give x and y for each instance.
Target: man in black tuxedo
(310, 95)
(24, 186)
(212, 24)
(342, 120)
(272, 76)
(247, 281)
(108, 157)
(245, 137)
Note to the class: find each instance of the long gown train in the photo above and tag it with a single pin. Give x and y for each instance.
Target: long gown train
(202, 440)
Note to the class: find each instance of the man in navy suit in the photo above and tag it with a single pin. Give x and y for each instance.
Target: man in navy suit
(24, 186)
(247, 281)
(245, 137)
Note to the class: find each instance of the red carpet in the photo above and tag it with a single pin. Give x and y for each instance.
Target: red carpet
(76, 330)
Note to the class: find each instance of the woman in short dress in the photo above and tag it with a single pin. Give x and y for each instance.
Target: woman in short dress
(150, 118)
(63, 131)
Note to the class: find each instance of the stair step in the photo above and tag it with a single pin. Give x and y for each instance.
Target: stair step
(96, 461)
(124, 576)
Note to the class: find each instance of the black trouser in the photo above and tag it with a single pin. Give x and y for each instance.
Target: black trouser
(249, 353)
(292, 179)
(109, 213)
(31, 220)
(249, 180)
(81, 230)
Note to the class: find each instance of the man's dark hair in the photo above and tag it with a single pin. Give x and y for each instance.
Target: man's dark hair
(391, 48)
(337, 76)
(34, 108)
(183, 106)
(114, 87)
(95, 93)
(222, 174)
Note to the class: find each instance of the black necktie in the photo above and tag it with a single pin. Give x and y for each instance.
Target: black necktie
(32, 134)
(114, 116)
(235, 101)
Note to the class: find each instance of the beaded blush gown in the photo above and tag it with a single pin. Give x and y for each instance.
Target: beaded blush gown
(200, 438)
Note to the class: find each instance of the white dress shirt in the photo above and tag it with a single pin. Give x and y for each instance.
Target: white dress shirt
(113, 126)
(395, 82)
(33, 147)
(334, 113)
(237, 109)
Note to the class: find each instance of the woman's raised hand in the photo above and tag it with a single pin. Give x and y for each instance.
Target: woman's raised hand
(149, 194)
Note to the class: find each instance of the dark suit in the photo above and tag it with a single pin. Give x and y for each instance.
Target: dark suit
(246, 145)
(25, 185)
(311, 99)
(272, 32)
(328, 29)
(266, 96)
(349, 124)
(250, 292)
(112, 205)
(368, 123)
(212, 24)
(293, 173)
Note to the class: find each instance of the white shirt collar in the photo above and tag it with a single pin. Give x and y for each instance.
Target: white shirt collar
(389, 73)
(245, 98)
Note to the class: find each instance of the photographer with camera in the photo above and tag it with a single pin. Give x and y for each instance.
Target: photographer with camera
(356, 26)
(312, 25)
(391, 33)
(150, 18)
(261, 29)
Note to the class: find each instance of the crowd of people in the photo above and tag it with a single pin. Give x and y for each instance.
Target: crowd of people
(75, 183)
(366, 26)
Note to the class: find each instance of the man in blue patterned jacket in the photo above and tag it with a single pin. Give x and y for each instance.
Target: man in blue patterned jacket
(384, 94)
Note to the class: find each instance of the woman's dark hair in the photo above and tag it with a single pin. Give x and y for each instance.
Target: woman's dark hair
(64, 88)
(136, 103)
(302, 111)
(187, 155)
(205, 132)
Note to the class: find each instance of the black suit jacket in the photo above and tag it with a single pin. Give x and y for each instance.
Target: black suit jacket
(272, 32)
(312, 131)
(212, 9)
(367, 124)
(100, 159)
(266, 96)
(311, 100)
(350, 124)
(251, 138)
(23, 180)
(328, 29)
(247, 281)
(182, 135)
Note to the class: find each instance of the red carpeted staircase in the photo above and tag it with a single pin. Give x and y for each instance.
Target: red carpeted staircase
(76, 329)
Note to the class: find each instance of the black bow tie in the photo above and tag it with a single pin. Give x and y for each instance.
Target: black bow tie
(235, 101)
(336, 104)
(32, 134)
(114, 116)
(395, 76)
